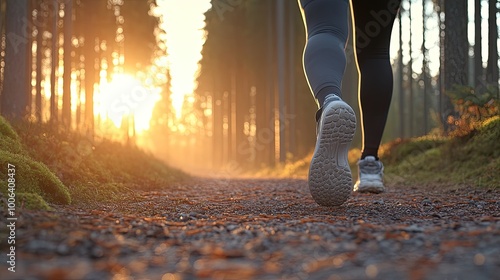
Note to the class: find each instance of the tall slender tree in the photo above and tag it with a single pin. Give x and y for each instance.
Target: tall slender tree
(492, 67)
(55, 60)
(98, 24)
(478, 58)
(139, 40)
(2, 46)
(291, 81)
(29, 23)
(424, 70)
(40, 26)
(402, 123)
(17, 81)
(68, 48)
(89, 53)
(409, 73)
(456, 48)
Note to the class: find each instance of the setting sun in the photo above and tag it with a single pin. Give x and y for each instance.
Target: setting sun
(126, 96)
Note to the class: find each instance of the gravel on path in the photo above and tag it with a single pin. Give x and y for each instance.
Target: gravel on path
(263, 229)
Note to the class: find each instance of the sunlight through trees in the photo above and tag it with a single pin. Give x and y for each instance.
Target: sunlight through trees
(219, 85)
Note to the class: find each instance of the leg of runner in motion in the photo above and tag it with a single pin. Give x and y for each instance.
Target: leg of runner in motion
(373, 21)
(326, 22)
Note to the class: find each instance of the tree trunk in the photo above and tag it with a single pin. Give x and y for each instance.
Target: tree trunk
(455, 50)
(280, 53)
(478, 59)
(409, 73)
(424, 71)
(17, 81)
(2, 49)
(39, 57)
(241, 86)
(54, 64)
(268, 114)
(90, 57)
(218, 118)
(29, 29)
(292, 59)
(401, 80)
(66, 106)
(492, 68)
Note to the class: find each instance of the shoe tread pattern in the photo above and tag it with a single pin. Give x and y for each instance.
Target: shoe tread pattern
(330, 179)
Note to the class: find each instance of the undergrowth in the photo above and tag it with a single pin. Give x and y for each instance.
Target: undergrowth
(469, 156)
(57, 166)
(32, 183)
(467, 159)
(470, 160)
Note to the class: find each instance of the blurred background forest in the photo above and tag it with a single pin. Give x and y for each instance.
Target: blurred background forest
(128, 70)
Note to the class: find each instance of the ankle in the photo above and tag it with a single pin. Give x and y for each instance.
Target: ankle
(363, 156)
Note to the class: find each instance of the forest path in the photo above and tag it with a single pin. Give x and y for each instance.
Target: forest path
(264, 229)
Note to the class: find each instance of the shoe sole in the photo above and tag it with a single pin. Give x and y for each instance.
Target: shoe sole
(369, 188)
(330, 179)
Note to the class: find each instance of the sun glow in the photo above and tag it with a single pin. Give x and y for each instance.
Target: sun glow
(183, 23)
(123, 97)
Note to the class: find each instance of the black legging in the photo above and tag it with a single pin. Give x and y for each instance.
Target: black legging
(324, 57)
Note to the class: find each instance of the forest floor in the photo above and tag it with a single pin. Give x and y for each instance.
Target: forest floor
(263, 229)
(104, 210)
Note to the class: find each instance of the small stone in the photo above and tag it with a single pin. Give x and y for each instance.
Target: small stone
(62, 249)
(414, 228)
(232, 227)
(40, 246)
(94, 235)
(97, 252)
(183, 217)
(193, 215)
(426, 202)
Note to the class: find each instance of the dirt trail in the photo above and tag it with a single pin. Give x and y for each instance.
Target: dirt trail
(264, 229)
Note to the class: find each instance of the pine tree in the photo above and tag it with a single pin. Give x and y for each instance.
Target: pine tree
(68, 48)
(17, 80)
(478, 59)
(455, 51)
(40, 28)
(138, 31)
(492, 67)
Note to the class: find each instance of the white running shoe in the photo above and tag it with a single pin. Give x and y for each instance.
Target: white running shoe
(330, 179)
(370, 179)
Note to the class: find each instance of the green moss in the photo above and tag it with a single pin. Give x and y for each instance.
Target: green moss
(132, 165)
(35, 183)
(32, 201)
(87, 170)
(472, 159)
(401, 149)
(34, 177)
(89, 193)
(417, 167)
(95, 170)
(487, 141)
(6, 130)
(9, 140)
